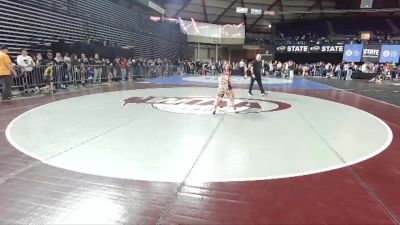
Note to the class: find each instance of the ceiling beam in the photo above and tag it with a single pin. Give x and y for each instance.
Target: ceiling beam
(194, 13)
(281, 6)
(244, 15)
(260, 5)
(392, 13)
(311, 7)
(226, 10)
(261, 16)
(321, 8)
(205, 11)
(182, 8)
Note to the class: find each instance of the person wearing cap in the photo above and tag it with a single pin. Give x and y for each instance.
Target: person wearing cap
(6, 69)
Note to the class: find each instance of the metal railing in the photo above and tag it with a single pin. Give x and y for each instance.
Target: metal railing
(63, 76)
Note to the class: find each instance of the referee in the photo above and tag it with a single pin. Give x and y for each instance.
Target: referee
(256, 71)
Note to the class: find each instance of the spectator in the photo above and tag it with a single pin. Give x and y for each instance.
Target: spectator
(83, 60)
(90, 75)
(338, 71)
(39, 60)
(6, 68)
(59, 62)
(68, 67)
(25, 61)
(26, 64)
(124, 66)
(242, 65)
(98, 68)
(49, 58)
(82, 72)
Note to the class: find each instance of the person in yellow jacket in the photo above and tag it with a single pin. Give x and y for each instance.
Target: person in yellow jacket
(6, 70)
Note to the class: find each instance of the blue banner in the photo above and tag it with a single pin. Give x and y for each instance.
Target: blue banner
(390, 54)
(353, 53)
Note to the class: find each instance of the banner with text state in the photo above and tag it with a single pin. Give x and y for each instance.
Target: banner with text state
(371, 53)
(309, 48)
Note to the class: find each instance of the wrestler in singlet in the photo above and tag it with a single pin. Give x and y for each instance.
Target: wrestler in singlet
(224, 88)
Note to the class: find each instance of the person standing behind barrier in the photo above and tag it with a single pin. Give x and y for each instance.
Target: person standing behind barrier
(68, 67)
(242, 66)
(83, 60)
(98, 68)
(136, 70)
(58, 62)
(291, 68)
(82, 71)
(338, 71)
(90, 75)
(266, 68)
(39, 69)
(6, 68)
(248, 70)
(110, 71)
(124, 65)
(75, 68)
(26, 63)
(349, 71)
(256, 75)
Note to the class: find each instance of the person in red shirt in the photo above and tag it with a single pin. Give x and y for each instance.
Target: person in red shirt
(124, 66)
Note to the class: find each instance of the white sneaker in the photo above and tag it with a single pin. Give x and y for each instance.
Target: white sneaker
(264, 94)
(250, 94)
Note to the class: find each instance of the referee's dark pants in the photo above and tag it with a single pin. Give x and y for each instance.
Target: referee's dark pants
(6, 90)
(259, 82)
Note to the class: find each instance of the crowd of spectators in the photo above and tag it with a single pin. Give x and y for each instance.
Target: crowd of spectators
(59, 70)
(345, 71)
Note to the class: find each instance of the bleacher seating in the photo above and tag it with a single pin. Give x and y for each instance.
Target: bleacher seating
(303, 27)
(353, 26)
(26, 23)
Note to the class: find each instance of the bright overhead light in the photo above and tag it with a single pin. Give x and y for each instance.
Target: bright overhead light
(269, 13)
(242, 10)
(256, 11)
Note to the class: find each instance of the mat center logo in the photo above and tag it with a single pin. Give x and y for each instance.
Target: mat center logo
(204, 105)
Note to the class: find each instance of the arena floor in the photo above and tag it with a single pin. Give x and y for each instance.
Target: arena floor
(152, 153)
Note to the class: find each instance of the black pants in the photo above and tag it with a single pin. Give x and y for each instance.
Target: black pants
(259, 82)
(6, 90)
(242, 71)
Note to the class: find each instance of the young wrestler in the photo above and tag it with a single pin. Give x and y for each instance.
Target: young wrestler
(225, 88)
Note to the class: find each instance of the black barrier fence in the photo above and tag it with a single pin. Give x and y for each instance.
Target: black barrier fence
(309, 58)
(28, 78)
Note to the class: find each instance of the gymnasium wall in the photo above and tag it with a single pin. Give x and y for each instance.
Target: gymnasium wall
(32, 23)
